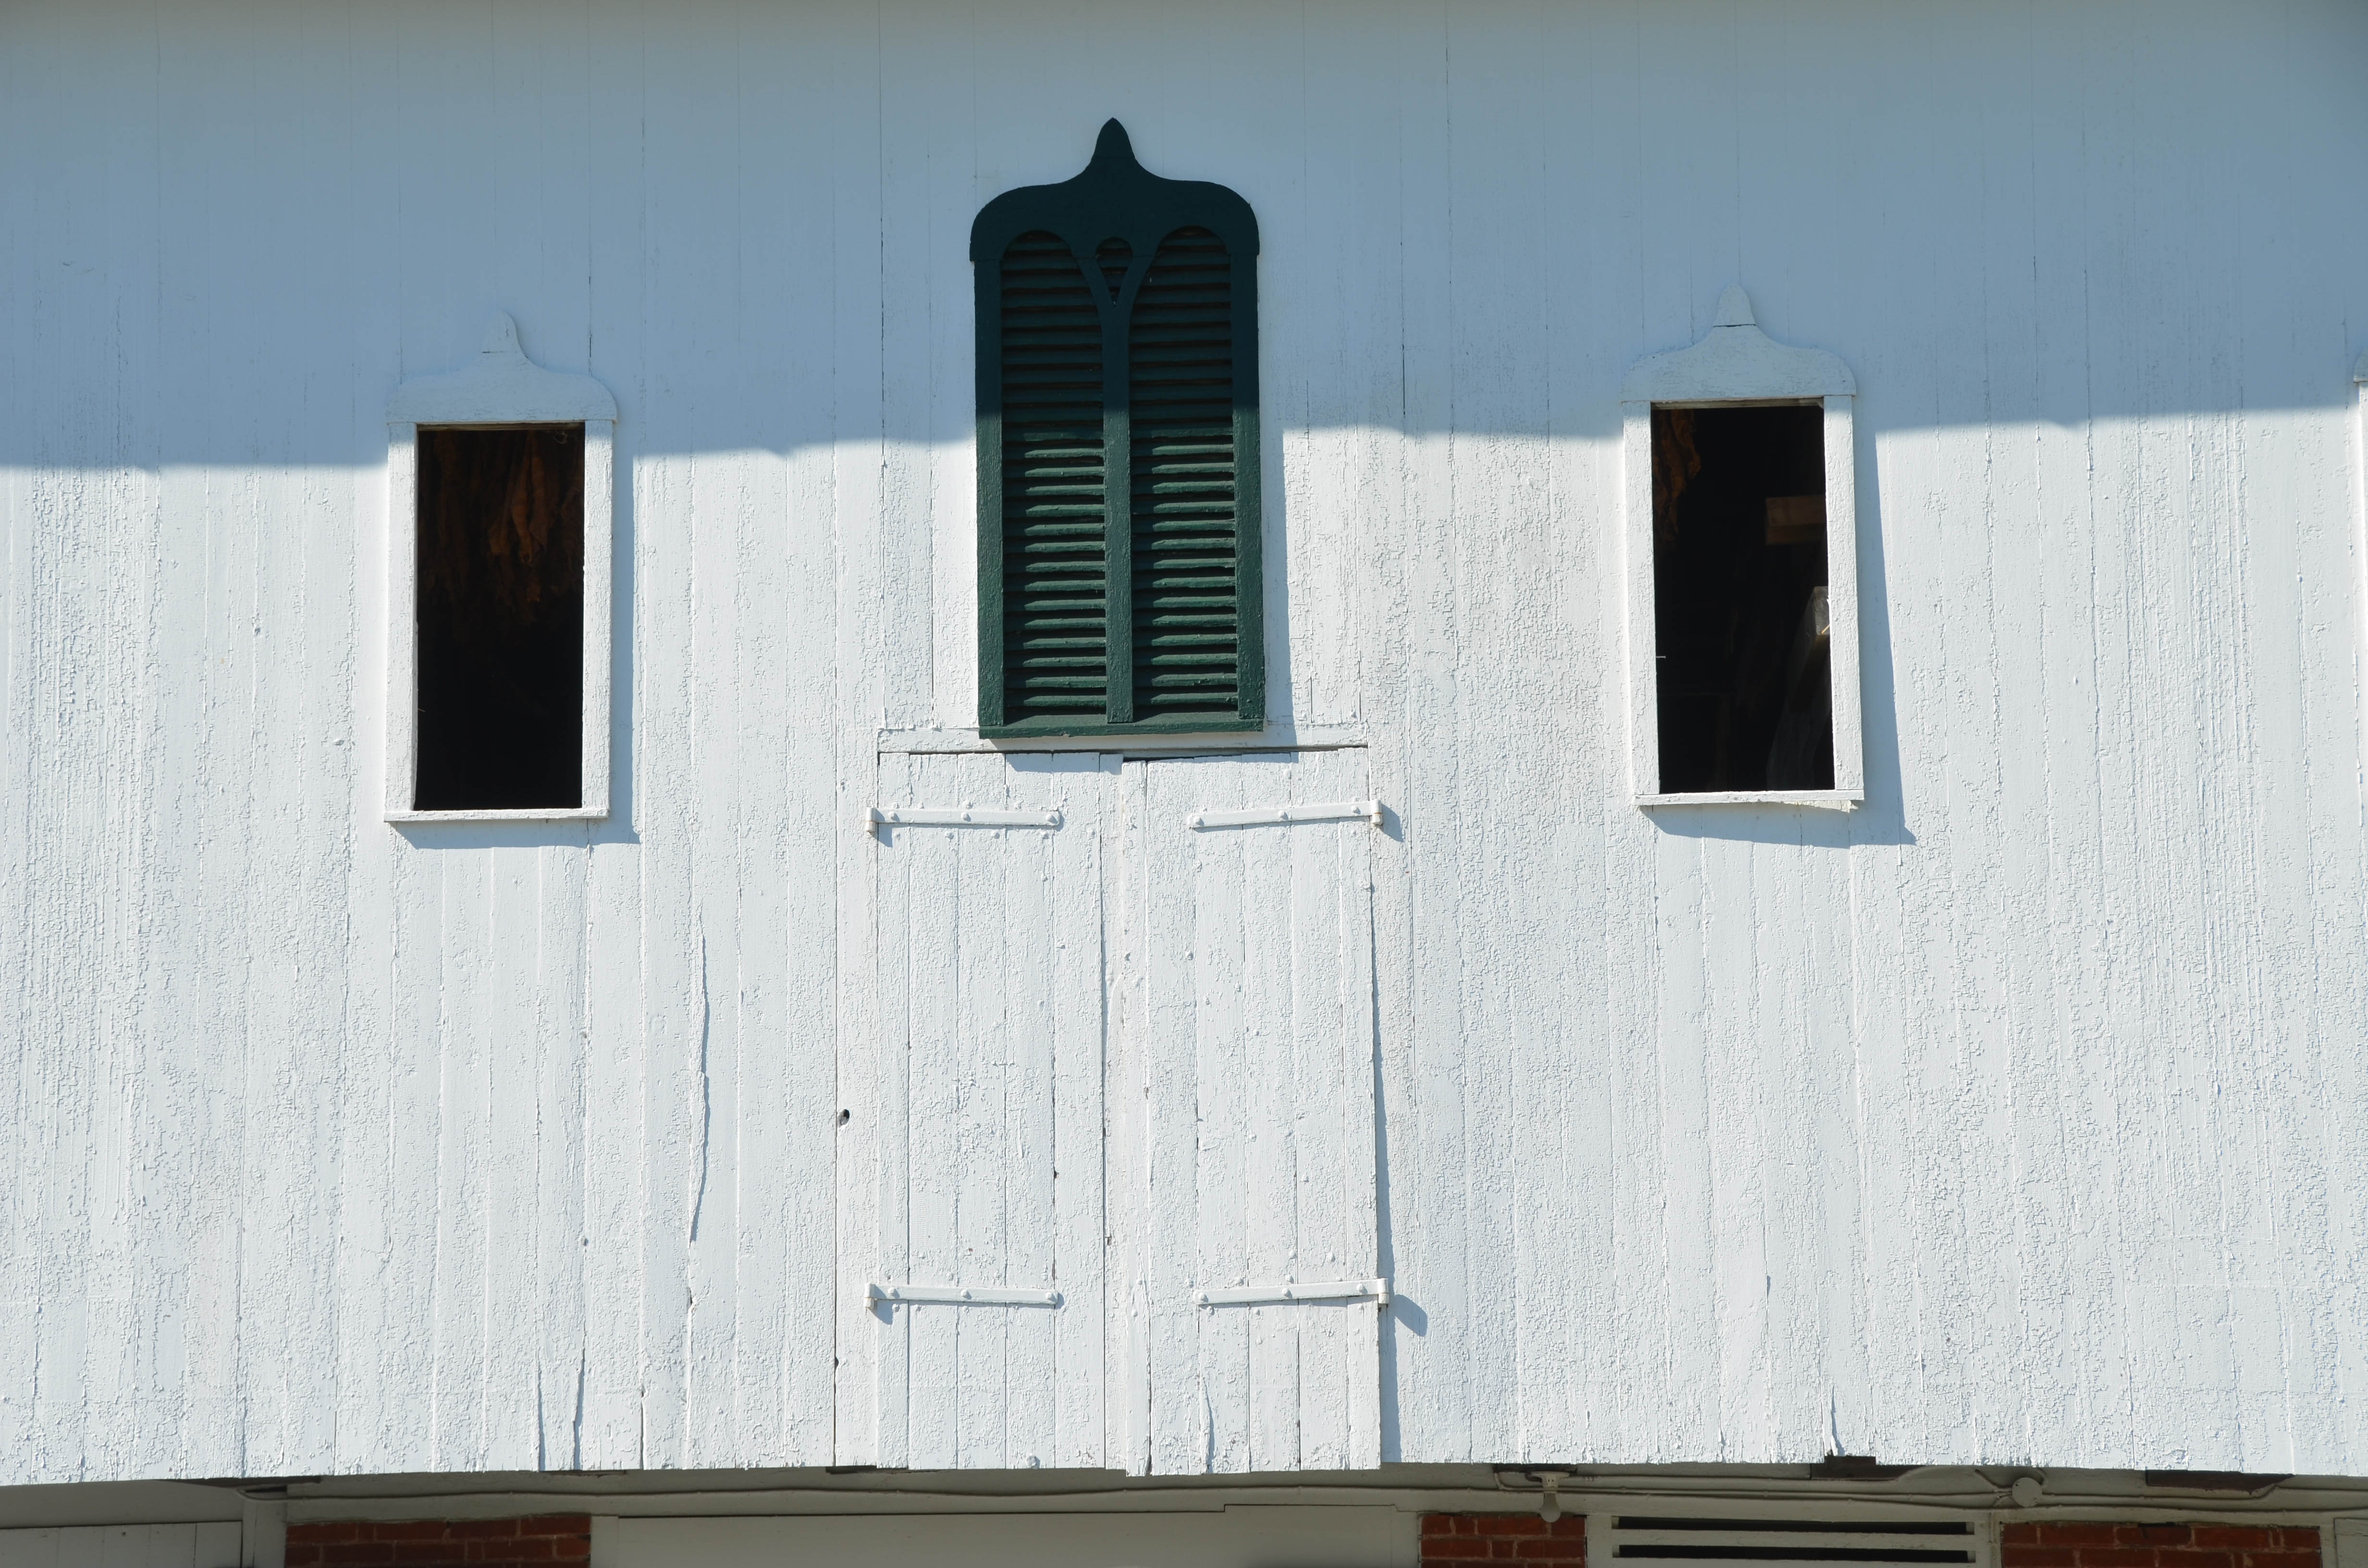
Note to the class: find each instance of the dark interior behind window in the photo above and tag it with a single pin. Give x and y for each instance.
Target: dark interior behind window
(501, 618)
(1739, 600)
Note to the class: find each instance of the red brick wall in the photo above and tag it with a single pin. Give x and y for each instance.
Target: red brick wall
(1465, 1539)
(2158, 1545)
(403, 1543)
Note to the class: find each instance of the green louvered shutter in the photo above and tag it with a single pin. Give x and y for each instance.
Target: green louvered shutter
(1055, 569)
(1186, 482)
(1118, 359)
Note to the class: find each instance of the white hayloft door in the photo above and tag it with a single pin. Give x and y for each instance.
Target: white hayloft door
(1123, 1149)
(986, 1283)
(1250, 929)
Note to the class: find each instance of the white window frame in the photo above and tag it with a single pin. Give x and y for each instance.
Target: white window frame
(1736, 365)
(2359, 526)
(504, 387)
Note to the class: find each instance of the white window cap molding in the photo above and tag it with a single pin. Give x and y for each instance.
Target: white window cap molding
(1736, 361)
(2360, 372)
(502, 387)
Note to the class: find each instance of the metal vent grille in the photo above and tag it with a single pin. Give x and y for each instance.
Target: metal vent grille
(1055, 583)
(1185, 513)
(1792, 1540)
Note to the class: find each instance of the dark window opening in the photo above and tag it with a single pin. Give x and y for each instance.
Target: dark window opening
(1739, 600)
(501, 618)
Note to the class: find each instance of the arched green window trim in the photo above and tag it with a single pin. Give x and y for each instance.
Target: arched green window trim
(1168, 270)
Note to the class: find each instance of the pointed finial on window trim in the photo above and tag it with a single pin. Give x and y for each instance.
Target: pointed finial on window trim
(501, 386)
(1734, 359)
(502, 338)
(1113, 145)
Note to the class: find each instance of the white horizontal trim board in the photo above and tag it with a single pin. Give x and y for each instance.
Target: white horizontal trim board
(958, 816)
(1735, 363)
(959, 1296)
(1282, 736)
(1376, 1291)
(1279, 816)
(1832, 800)
(502, 387)
(211, 1544)
(506, 814)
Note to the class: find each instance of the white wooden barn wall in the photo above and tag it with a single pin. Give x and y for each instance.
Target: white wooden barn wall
(2020, 1115)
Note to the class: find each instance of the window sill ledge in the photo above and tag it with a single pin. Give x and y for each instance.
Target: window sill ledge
(1274, 737)
(1824, 800)
(578, 813)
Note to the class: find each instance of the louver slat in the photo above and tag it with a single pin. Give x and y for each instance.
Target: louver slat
(1054, 509)
(1185, 508)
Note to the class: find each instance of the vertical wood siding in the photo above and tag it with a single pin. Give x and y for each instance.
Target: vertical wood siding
(2019, 1116)
(1255, 949)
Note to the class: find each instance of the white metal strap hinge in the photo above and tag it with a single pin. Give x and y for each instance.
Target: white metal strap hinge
(1329, 811)
(959, 1296)
(1376, 1291)
(958, 816)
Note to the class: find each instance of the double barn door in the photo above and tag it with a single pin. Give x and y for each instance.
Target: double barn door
(1118, 1203)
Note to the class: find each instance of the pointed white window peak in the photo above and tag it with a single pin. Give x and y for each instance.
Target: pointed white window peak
(2360, 370)
(502, 387)
(502, 338)
(1735, 361)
